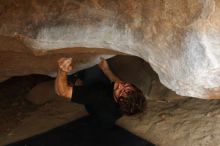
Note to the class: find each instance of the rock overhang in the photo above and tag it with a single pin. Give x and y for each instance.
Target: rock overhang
(180, 39)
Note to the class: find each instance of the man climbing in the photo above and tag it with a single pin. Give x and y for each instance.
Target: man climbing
(104, 95)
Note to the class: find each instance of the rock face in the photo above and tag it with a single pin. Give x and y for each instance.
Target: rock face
(47, 88)
(179, 38)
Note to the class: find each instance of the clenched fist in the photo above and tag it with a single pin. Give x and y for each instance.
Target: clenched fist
(64, 64)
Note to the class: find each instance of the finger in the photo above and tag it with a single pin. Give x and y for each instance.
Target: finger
(67, 61)
(69, 68)
(63, 68)
(66, 64)
(61, 59)
(61, 62)
(64, 59)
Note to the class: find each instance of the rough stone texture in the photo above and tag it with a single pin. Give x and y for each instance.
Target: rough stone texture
(169, 120)
(47, 88)
(172, 120)
(134, 70)
(47, 117)
(179, 38)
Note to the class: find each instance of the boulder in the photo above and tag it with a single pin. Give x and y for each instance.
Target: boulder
(179, 38)
(42, 93)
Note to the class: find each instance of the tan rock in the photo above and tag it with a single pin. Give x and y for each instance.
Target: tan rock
(179, 38)
(42, 93)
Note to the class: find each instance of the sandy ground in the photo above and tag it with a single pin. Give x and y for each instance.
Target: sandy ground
(169, 119)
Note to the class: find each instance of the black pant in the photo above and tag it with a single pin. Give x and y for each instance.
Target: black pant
(82, 133)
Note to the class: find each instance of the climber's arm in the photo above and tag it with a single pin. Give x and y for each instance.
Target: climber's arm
(107, 71)
(61, 85)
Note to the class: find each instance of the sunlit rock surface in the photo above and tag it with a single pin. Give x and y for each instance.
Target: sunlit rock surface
(179, 38)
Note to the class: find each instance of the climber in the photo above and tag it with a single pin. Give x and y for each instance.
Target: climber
(102, 93)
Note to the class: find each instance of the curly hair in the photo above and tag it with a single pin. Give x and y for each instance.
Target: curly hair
(133, 103)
